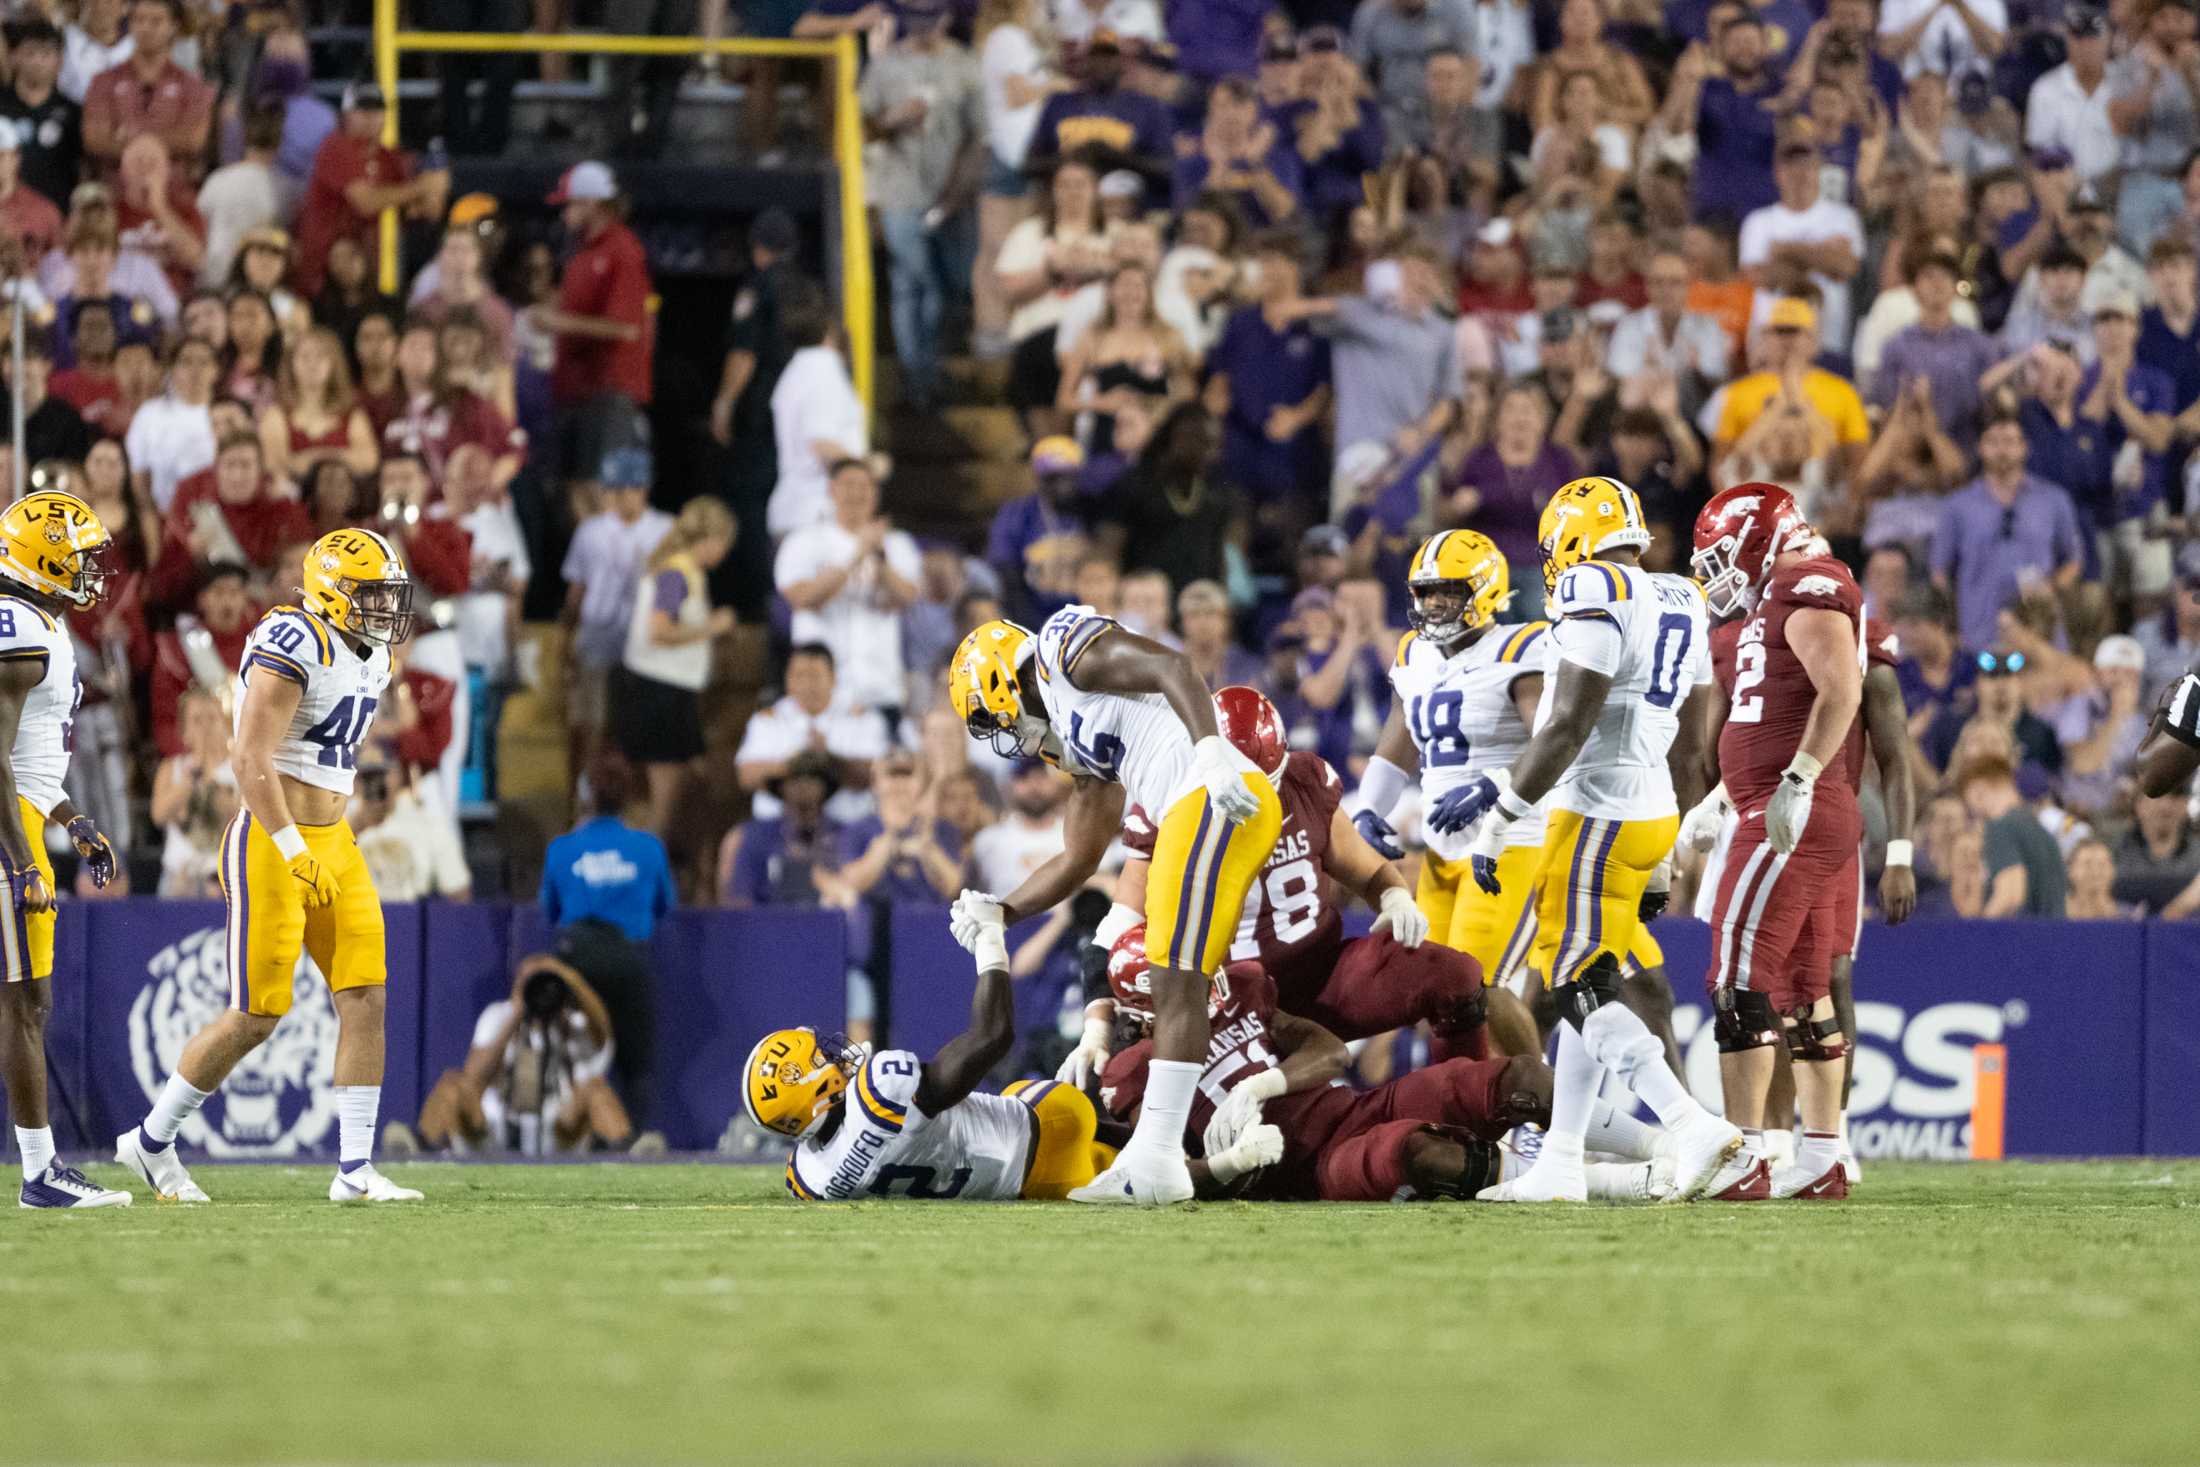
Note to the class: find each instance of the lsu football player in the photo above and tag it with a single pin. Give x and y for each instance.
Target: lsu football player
(52, 557)
(1129, 718)
(892, 1125)
(1618, 749)
(291, 872)
(1468, 689)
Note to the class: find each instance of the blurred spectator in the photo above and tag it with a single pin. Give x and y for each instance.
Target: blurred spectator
(602, 378)
(2101, 725)
(1243, 157)
(1666, 336)
(812, 714)
(488, 612)
(1790, 385)
(1043, 262)
(356, 177)
(2091, 876)
(602, 567)
(1805, 236)
(2008, 535)
(2024, 868)
(1174, 512)
(316, 417)
(243, 196)
(900, 854)
(1203, 616)
(2171, 639)
(283, 79)
(1725, 94)
(1502, 486)
(462, 288)
(1270, 372)
(2133, 404)
(349, 292)
(172, 437)
(1099, 119)
(148, 93)
(96, 40)
(2069, 106)
(158, 213)
(201, 652)
(1343, 677)
(2154, 104)
(1392, 41)
(817, 419)
(605, 887)
(923, 110)
(1016, 77)
(1392, 357)
(756, 354)
(1937, 362)
(92, 282)
(2019, 737)
(410, 842)
(1039, 539)
(1945, 36)
(230, 513)
(48, 126)
(2158, 860)
(1143, 606)
(1029, 832)
(253, 354)
(791, 858)
(848, 580)
(657, 693)
(51, 428)
(194, 798)
(1127, 360)
(2169, 330)
(2054, 313)
(28, 218)
(1935, 678)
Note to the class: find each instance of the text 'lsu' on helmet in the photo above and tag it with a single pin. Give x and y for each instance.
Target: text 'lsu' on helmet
(1246, 718)
(792, 1079)
(52, 542)
(358, 583)
(1588, 518)
(983, 688)
(1459, 582)
(1739, 534)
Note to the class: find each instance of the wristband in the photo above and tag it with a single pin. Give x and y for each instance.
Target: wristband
(1266, 1085)
(1511, 806)
(1119, 920)
(289, 842)
(1098, 1031)
(1898, 853)
(991, 948)
(1807, 766)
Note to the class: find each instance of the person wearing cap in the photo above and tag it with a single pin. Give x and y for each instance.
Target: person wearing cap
(1102, 121)
(2154, 105)
(27, 217)
(848, 580)
(477, 213)
(1271, 371)
(1039, 539)
(2134, 408)
(149, 93)
(48, 126)
(2068, 106)
(923, 111)
(1937, 360)
(2008, 534)
(1391, 40)
(243, 199)
(601, 377)
(355, 177)
(2099, 716)
(602, 567)
(1790, 381)
(1804, 236)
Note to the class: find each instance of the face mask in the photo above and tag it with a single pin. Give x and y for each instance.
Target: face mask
(282, 77)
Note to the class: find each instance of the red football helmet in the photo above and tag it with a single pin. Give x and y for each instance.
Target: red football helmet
(1738, 536)
(1130, 976)
(1253, 726)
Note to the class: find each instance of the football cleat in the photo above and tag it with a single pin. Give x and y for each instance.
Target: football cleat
(1147, 1185)
(1702, 1146)
(1629, 1181)
(161, 1170)
(1831, 1185)
(1549, 1180)
(365, 1184)
(65, 1186)
(1850, 1166)
(1747, 1178)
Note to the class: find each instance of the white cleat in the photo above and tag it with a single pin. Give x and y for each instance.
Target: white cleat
(161, 1170)
(1549, 1180)
(1850, 1166)
(1630, 1181)
(365, 1184)
(1151, 1184)
(1703, 1146)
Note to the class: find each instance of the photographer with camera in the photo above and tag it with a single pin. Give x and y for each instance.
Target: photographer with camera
(534, 1078)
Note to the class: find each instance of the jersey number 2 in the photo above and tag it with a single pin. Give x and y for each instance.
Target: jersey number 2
(919, 1181)
(340, 732)
(1666, 667)
(1749, 670)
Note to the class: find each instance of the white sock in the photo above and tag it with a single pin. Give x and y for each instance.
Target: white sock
(179, 1101)
(1573, 1089)
(1620, 1042)
(1170, 1086)
(1612, 1129)
(1753, 1143)
(1817, 1153)
(356, 1107)
(37, 1144)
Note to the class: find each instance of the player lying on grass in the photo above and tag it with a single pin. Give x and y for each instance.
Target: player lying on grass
(1269, 1122)
(892, 1125)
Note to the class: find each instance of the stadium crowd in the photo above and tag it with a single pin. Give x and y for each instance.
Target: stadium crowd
(1274, 290)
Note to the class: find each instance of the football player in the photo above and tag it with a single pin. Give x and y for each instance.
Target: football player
(1128, 718)
(1358, 989)
(915, 1127)
(1270, 1121)
(1618, 748)
(1787, 893)
(1467, 694)
(53, 553)
(291, 872)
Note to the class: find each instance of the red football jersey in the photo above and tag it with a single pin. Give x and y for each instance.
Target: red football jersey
(1289, 925)
(1724, 636)
(1238, 1048)
(1769, 700)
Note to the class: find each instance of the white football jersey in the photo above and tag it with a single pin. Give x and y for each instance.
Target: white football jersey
(43, 735)
(1460, 712)
(341, 692)
(1137, 742)
(1661, 654)
(977, 1150)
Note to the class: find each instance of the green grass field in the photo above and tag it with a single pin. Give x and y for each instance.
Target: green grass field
(681, 1313)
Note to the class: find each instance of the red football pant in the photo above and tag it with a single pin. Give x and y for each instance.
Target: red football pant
(1377, 985)
(1343, 1147)
(1778, 920)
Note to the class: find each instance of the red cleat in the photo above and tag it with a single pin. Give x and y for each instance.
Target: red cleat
(1747, 1178)
(1832, 1185)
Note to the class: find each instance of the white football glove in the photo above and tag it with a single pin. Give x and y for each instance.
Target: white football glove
(1232, 798)
(1240, 1109)
(972, 913)
(1260, 1146)
(1700, 826)
(1789, 811)
(1084, 1063)
(1401, 918)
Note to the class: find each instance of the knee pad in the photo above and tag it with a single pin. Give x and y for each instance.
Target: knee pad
(1482, 1169)
(1597, 986)
(1814, 1040)
(1745, 1021)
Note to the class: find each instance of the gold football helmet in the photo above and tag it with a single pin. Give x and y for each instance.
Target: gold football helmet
(356, 581)
(1464, 565)
(1584, 520)
(52, 543)
(791, 1079)
(983, 690)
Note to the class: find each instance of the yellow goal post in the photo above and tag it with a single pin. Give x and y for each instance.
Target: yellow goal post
(840, 57)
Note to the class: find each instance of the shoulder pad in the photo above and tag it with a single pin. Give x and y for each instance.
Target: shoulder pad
(296, 634)
(1518, 640)
(28, 614)
(1882, 648)
(1405, 644)
(884, 1086)
(1591, 588)
(1064, 636)
(1820, 581)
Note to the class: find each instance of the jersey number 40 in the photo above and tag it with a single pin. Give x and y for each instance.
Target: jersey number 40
(340, 732)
